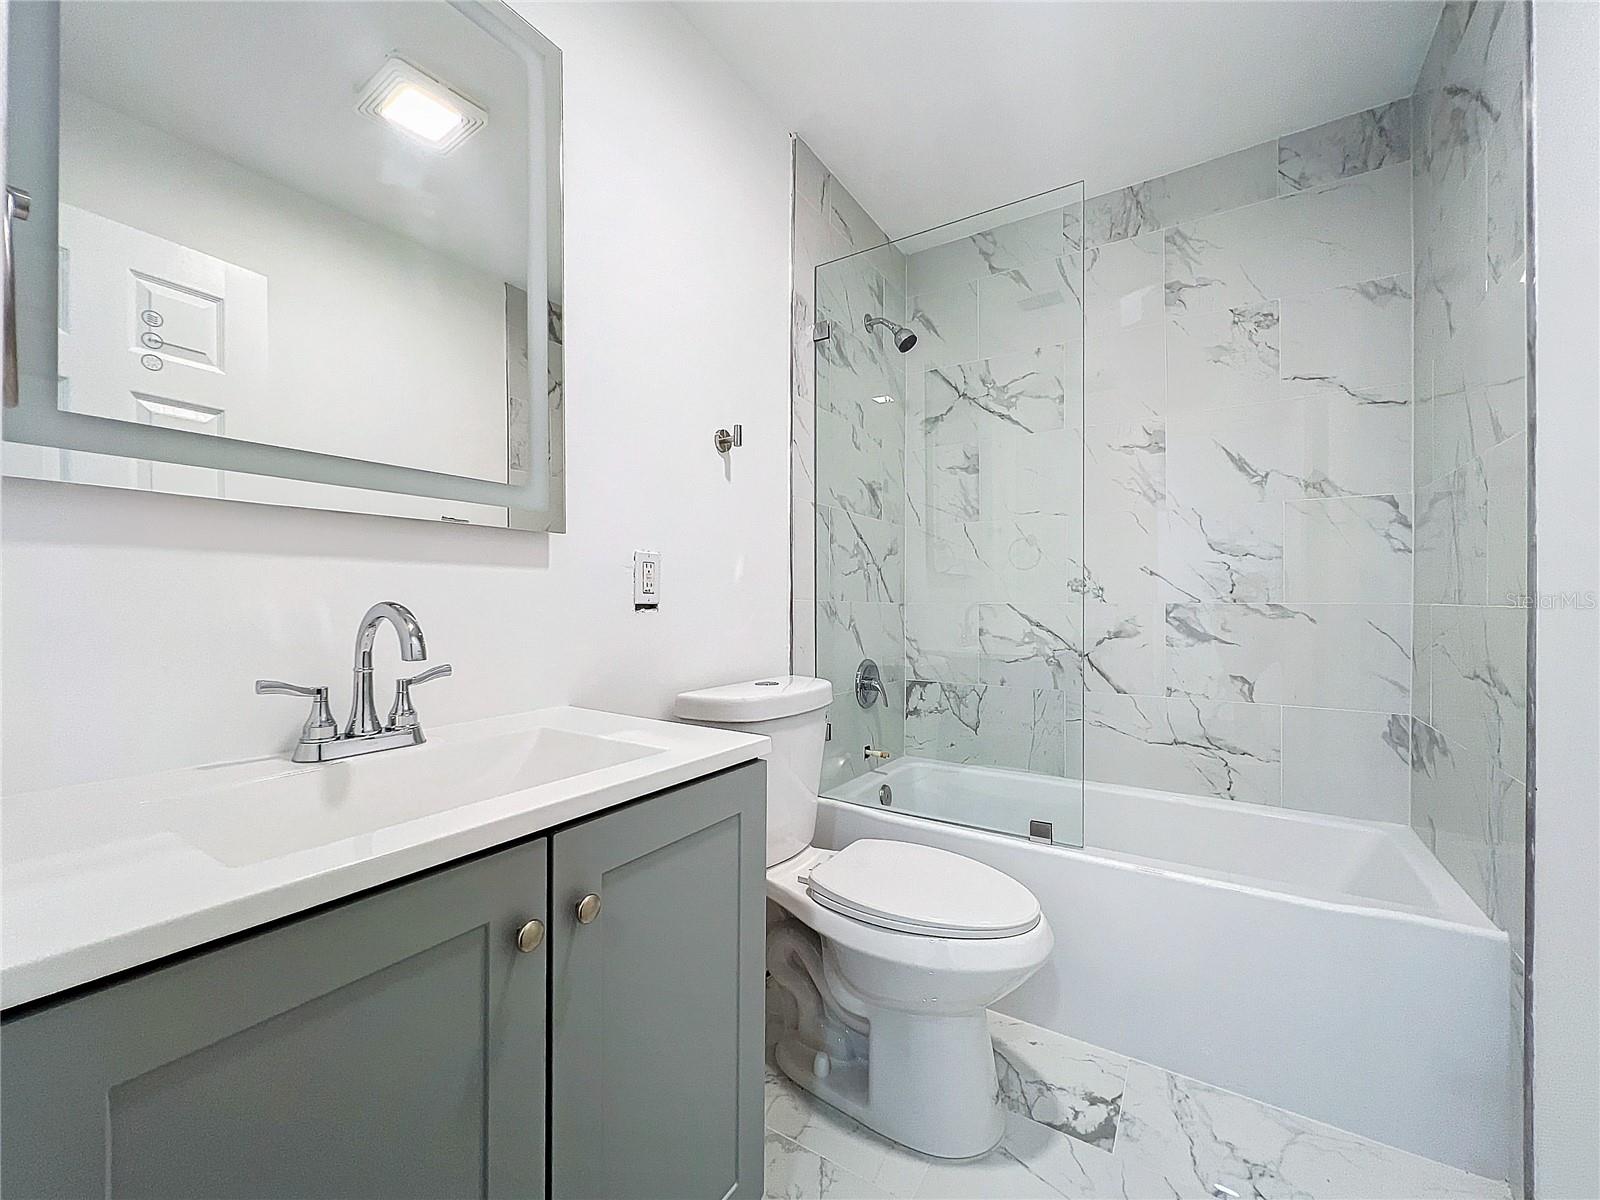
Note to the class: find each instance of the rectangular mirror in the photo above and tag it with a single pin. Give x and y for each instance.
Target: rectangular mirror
(284, 252)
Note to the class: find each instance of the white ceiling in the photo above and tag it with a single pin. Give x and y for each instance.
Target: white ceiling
(929, 111)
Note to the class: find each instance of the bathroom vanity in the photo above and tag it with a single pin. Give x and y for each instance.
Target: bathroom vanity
(556, 990)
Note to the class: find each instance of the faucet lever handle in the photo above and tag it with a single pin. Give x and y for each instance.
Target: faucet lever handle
(431, 673)
(319, 726)
(276, 687)
(401, 714)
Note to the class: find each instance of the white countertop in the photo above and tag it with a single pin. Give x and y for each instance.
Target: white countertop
(102, 877)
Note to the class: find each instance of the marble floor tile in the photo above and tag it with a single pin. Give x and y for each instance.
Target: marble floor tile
(1168, 1137)
(890, 1168)
(1196, 1137)
(795, 1173)
(1070, 1086)
(1032, 1162)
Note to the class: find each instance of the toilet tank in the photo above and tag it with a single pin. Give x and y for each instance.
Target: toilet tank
(792, 710)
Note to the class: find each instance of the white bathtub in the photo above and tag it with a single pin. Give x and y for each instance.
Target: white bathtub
(1328, 966)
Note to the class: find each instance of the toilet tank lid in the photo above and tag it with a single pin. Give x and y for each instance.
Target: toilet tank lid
(765, 699)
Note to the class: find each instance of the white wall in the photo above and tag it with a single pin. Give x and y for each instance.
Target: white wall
(134, 624)
(1566, 835)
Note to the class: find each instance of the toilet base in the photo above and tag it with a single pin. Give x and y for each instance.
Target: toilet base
(928, 1082)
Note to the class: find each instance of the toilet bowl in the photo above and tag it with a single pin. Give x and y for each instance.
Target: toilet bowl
(890, 951)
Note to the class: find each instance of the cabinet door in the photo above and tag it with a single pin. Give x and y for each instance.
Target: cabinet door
(656, 1005)
(391, 1046)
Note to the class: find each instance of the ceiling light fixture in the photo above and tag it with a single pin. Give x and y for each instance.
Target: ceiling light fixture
(426, 110)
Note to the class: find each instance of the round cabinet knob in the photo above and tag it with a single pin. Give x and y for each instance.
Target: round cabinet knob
(588, 908)
(530, 936)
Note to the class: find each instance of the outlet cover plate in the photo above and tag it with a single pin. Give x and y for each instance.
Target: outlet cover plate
(646, 579)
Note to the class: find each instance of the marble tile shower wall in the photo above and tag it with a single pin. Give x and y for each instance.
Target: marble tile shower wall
(1206, 553)
(1469, 678)
(994, 498)
(847, 463)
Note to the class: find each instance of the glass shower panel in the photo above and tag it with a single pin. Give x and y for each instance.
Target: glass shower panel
(949, 482)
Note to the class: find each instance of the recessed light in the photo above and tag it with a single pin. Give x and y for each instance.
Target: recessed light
(883, 399)
(426, 110)
(415, 111)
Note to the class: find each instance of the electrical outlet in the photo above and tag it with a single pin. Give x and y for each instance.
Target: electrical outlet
(646, 579)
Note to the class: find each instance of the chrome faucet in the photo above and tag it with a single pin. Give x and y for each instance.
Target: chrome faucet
(364, 733)
(363, 720)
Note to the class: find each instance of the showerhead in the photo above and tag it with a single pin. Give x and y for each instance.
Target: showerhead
(904, 339)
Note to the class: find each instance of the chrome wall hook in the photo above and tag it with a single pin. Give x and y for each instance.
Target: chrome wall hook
(725, 440)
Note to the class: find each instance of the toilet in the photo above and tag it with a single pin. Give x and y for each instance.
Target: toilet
(890, 951)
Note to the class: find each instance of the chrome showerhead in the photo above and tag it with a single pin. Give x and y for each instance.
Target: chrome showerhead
(904, 339)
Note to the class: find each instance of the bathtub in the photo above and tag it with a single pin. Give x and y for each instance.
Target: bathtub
(1328, 966)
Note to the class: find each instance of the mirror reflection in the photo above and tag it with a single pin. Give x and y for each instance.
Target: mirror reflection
(339, 264)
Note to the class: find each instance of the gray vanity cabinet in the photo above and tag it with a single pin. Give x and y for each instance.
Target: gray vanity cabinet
(391, 1046)
(395, 1045)
(656, 1002)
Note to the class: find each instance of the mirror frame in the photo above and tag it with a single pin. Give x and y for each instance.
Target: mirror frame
(32, 163)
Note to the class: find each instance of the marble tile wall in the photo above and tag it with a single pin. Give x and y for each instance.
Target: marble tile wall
(1248, 529)
(994, 494)
(1470, 402)
(848, 486)
(1185, 539)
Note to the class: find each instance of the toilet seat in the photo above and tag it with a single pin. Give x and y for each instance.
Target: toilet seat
(787, 886)
(921, 890)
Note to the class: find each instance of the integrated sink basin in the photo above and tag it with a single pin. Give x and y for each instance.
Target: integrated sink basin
(314, 805)
(101, 877)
